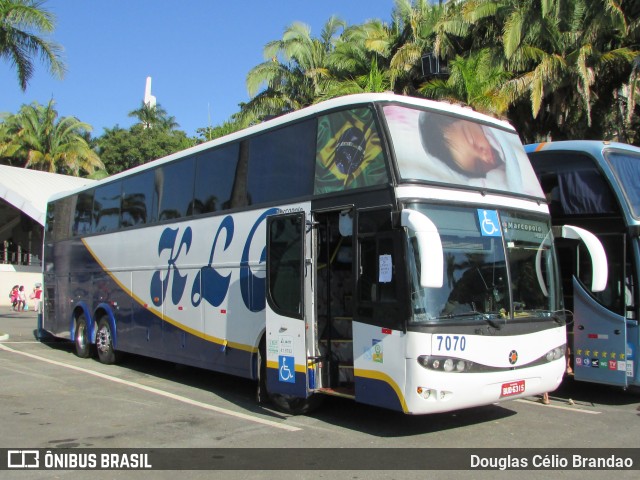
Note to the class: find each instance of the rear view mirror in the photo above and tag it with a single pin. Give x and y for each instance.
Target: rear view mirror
(429, 247)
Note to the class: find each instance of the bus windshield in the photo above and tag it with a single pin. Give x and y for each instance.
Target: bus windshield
(626, 167)
(498, 265)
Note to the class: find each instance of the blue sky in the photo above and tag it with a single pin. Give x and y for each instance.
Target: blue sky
(198, 53)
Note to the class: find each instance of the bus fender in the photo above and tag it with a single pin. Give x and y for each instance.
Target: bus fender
(106, 309)
(87, 315)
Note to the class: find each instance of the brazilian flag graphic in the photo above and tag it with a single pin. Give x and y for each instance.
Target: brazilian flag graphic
(348, 154)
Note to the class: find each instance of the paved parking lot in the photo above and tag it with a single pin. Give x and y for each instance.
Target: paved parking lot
(52, 399)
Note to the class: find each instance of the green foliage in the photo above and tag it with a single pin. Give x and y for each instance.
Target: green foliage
(211, 133)
(474, 81)
(121, 149)
(20, 23)
(556, 68)
(36, 138)
(294, 74)
(154, 116)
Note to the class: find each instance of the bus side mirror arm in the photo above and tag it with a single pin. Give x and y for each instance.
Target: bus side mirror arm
(429, 247)
(596, 250)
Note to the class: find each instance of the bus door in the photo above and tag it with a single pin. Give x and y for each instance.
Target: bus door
(599, 341)
(334, 297)
(598, 335)
(290, 322)
(601, 349)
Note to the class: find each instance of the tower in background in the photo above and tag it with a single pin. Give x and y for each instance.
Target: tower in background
(149, 100)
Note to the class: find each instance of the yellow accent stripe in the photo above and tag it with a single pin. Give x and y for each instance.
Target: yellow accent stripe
(298, 368)
(383, 377)
(141, 302)
(371, 374)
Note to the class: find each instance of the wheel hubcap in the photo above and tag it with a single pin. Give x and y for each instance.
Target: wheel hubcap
(104, 340)
(80, 337)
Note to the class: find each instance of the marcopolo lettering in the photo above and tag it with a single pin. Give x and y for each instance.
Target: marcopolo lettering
(525, 227)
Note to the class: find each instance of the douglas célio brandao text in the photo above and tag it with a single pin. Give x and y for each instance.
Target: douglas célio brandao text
(550, 461)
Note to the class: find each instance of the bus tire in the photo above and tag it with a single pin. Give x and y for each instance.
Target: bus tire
(295, 405)
(104, 343)
(262, 395)
(285, 403)
(81, 338)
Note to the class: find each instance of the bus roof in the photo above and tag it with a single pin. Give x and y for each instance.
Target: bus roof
(335, 103)
(595, 147)
(621, 177)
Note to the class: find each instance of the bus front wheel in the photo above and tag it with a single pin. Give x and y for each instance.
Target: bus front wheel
(81, 338)
(284, 403)
(104, 342)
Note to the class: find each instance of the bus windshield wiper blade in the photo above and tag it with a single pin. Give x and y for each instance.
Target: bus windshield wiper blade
(555, 315)
(457, 315)
(491, 318)
(487, 317)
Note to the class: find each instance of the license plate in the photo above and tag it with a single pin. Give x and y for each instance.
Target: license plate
(512, 388)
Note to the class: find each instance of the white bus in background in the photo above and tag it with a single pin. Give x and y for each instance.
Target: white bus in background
(392, 250)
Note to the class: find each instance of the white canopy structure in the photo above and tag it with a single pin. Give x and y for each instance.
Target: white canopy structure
(28, 190)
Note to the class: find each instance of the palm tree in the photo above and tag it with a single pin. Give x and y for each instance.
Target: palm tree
(359, 48)
(415, 23)
(37, 139)
(154, 116)
(295, 72)
(20, 23)
(474, 81)
(568, 57)
(374, 80)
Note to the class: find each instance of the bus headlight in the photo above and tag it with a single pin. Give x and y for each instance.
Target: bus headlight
(445, 364)
(448, 365)
(555, 353)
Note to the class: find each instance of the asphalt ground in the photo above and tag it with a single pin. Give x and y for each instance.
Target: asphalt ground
(51, 399)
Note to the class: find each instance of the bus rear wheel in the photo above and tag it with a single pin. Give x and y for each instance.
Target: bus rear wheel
(81, 338)
(284, 403)
(104, 343)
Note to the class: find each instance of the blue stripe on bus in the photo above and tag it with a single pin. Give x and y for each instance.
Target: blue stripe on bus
(378, 392)
(139, 330)
(297, 389)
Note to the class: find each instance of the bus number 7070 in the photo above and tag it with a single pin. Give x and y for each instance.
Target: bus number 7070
(451, 343)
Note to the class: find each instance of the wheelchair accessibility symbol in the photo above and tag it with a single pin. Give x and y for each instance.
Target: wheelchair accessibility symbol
(286, 369)
(489, 224)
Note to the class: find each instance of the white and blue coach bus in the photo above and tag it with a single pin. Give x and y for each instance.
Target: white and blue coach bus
(388, 249)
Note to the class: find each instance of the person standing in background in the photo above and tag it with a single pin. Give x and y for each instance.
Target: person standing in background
(36, 296)
(22, 298)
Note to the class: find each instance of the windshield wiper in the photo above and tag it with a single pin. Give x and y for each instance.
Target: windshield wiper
(559, 319)
(458, 315)
(490, 318)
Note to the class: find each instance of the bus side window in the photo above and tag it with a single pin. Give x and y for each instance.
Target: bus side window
(281, 163)
(215, 173)
(175, 201)
(367, 286)
(381, 274)
(106, 207)
(137, 200)
(83, 213)
(285, 261)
